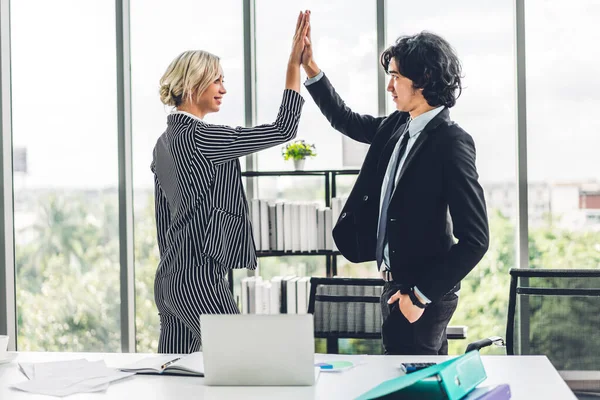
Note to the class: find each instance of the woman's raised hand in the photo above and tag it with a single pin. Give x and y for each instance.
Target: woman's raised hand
(299, 40)
(307, 54)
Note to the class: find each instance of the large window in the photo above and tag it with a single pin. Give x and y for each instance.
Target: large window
(482, 35)
(562, 133)
(345, 47)
(159, 32)
(65, 159)
(64, 111)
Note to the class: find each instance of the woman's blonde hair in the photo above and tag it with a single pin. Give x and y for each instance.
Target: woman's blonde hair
(191, 72)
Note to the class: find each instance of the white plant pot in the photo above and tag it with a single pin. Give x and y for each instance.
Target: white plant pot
(299, 164)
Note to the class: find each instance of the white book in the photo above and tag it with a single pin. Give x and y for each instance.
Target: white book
(308, 288)
(272, 226)
(314, 210)
(275, 295)
(321, 229)
(285, 281)
(329, 244)
(292, 296)
(295, 227)
(265, 304)
(255, 212)
(258, 292)
(302, 294)
(279, 242)
(336, 209)
(304, 226)
(312, 227)
(244, 299)
(310, 216)
(264, 225)
(287, 226)
(252, 281)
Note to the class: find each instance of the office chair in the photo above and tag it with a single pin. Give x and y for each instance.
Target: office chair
(348, 308)
(556, 313)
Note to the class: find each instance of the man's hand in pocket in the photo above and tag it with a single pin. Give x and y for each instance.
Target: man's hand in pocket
(411, 312)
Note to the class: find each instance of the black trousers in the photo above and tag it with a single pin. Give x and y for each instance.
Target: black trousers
(426, 336)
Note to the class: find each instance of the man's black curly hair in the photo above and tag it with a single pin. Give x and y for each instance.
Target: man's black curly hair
(431, 63)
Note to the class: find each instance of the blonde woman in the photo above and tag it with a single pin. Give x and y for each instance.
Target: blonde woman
(201, 210)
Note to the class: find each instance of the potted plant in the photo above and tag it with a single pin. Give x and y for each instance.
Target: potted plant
(298, 151)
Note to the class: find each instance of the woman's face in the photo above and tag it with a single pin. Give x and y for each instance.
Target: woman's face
(210, 100)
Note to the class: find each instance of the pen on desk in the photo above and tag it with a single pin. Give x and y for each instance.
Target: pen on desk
(165, 365)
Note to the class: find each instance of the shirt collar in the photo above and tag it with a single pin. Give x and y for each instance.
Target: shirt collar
(418, 124)
(178, 112)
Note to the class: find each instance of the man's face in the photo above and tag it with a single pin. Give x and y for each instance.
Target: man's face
(404, 95)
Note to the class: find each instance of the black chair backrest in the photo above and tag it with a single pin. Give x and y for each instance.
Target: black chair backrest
(555, 313)
(346, 308)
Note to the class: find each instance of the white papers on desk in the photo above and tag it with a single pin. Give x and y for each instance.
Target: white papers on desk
(62, 378)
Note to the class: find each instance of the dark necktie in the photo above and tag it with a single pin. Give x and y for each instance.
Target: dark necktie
(382, 231)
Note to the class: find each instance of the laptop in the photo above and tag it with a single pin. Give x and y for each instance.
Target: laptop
(258, 350)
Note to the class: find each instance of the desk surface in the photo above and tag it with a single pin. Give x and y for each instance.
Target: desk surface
(530, 377)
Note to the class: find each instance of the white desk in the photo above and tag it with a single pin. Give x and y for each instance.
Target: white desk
(529, 377)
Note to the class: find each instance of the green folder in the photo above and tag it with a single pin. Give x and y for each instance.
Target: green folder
(451, 380)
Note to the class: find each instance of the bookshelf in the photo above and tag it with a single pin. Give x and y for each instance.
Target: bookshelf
(329, 180)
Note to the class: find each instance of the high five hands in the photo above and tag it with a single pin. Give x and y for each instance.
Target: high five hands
(308, 62)
(300, 38)
(302, 52)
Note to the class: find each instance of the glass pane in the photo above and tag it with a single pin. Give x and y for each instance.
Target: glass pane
(482, 35)
(562, 133)
(292, 188)
(159, 32)
(65, 175)
(351, 68)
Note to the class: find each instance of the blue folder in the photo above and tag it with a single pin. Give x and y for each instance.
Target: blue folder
(451, 380)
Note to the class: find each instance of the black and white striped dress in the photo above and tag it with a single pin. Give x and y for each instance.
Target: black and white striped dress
(202, 220)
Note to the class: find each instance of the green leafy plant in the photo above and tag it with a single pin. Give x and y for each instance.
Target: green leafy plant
(298, 150)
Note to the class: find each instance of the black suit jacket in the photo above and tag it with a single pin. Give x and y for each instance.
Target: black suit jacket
(437, 196)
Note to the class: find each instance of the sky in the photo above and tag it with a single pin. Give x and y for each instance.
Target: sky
(64, 80)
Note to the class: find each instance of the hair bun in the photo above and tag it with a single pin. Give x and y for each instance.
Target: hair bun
(165, 95)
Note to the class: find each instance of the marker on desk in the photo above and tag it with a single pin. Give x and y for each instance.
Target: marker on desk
(335, 366)
(165, 365)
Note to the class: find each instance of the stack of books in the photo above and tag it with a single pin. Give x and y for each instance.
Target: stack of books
(279, 295)
(294, 226)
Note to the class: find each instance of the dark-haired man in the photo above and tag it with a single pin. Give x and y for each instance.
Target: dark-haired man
(418, 187)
